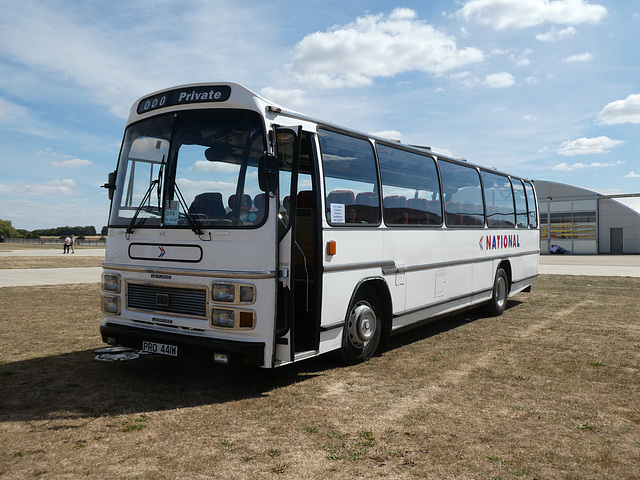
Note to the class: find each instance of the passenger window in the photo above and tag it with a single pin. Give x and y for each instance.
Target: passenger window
(462, 195)
(531, 205)
(522, 218)
(411, 192)
(498, 197)
(350, 179)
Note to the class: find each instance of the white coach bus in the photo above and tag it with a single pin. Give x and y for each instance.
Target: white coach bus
(238, 229)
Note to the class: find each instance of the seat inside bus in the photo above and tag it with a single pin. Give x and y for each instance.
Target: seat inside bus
(209, 205)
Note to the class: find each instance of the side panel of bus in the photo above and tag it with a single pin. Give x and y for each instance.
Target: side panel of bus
(421, 263)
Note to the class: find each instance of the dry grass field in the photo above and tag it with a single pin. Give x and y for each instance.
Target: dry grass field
(70, 261)
(550, 390)
(63, 261)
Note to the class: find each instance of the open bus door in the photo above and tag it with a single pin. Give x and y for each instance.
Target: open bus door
(298, 319)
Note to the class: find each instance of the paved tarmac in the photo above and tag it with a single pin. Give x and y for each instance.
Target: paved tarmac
(597, 265)
(27, 277)
(594, 265)
(50, 252)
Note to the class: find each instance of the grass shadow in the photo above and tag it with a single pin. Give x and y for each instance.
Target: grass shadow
(76, 385)
(431, 328)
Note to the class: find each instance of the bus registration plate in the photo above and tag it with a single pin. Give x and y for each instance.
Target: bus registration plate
(161, 348)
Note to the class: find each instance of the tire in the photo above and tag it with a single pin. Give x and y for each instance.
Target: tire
(363, 327)
(500, 295)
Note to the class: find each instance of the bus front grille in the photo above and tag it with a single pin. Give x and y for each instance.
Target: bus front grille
(190, 302)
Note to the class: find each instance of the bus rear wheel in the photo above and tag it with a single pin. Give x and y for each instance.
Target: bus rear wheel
(500, 295)
(362, 331)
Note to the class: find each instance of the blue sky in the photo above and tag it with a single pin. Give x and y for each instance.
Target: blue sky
(544, 89)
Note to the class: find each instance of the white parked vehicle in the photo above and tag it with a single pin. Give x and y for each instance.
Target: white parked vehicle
(240, 229)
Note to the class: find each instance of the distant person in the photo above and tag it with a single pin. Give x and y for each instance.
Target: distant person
(67, 244)
(557, 250)
(73, 244)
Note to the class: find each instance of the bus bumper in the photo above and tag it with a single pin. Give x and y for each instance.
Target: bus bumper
(251, 353)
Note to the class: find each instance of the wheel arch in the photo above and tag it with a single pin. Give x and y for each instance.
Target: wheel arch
(506, 266)
(381, 289)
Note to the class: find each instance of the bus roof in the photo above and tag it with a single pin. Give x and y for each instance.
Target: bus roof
(195, 95)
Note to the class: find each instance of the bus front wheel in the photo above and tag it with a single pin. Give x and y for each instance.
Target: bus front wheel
(362, 331)
(500, 295)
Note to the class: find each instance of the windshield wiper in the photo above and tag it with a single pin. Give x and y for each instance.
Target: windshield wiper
(193, 220)
(159, 189)
(141, 206)
(147, 196)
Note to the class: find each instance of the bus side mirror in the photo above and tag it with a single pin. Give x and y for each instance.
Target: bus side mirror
(268, 173)
(111, 184)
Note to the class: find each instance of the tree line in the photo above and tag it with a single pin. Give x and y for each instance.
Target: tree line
(8, 231)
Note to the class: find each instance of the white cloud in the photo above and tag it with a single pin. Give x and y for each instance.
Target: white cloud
(291, 98)
(69, 160)
(495, 80)
(377, 46)
(500, 80)
(110, 59)
(505, 14)
(581, 57)
(14, 117)
(7, 108)
(333, 80)
(587, 146)
(621, 111)
(205, 166)
(72, 162)
(389, 134)
(52, 44)
(555, 35)
(55, 187)
(632, 174)
(460, 76)
(189, 185)
(520, 59)
(466, 79)
(565, 167)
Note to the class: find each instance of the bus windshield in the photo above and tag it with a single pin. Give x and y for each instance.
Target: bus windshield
(192, 168)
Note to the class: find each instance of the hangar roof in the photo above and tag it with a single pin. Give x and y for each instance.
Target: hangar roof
(562, 191)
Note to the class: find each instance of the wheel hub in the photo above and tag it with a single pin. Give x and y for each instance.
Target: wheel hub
(362, 324)
(501, 291)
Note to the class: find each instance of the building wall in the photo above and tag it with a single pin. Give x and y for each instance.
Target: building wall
(615, 215)
(565, 203)
(570, 224)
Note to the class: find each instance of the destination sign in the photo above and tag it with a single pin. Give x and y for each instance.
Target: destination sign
(219, 93)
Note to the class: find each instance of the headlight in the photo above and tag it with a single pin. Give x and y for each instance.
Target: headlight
(247, 294)
(223, 318)
(110, 304)
(233, 293)
(222, 292)
(111, 282)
